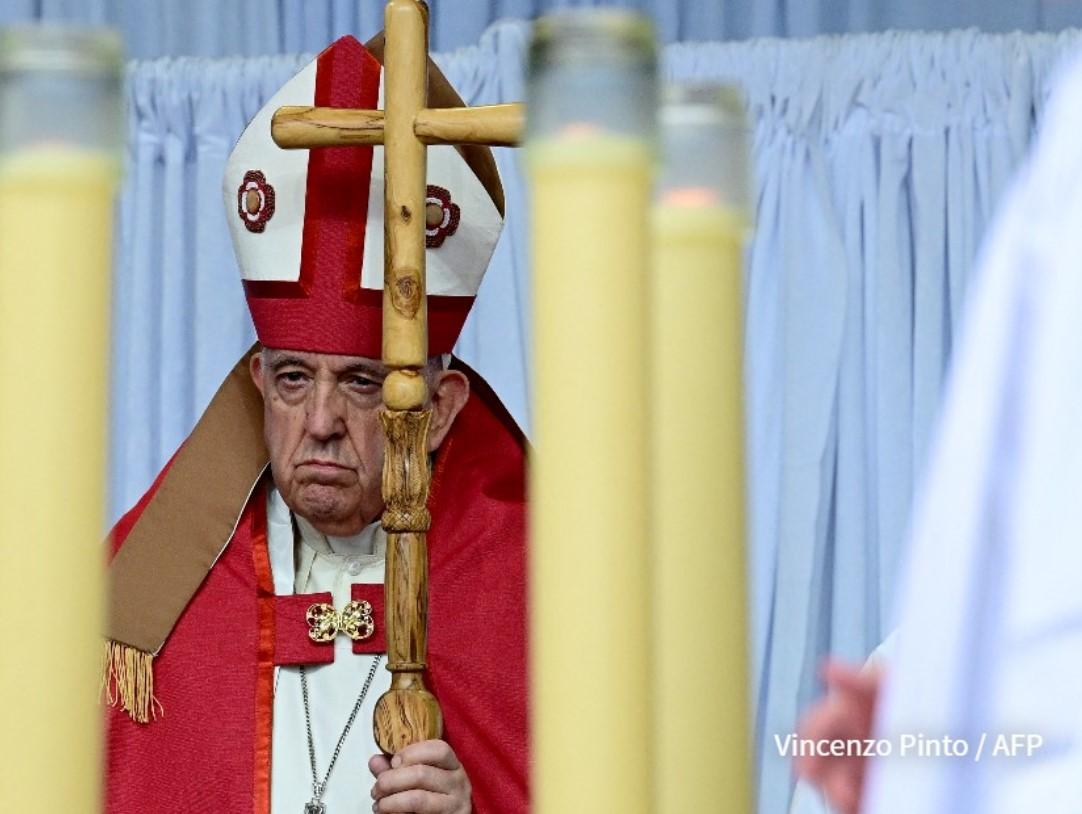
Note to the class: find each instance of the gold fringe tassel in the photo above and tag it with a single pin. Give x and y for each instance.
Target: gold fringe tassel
(127, 681)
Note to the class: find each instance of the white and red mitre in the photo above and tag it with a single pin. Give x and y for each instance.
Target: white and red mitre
(307, 225)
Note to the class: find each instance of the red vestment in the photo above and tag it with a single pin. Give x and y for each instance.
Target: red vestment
(210, 748)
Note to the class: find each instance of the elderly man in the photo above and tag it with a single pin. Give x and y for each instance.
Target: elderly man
(264, 526)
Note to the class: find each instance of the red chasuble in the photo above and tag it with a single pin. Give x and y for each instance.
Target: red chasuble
(209, 748)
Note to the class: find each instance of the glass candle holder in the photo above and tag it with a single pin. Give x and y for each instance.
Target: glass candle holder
(704, 147)
(699, 224)
(60, 87)
(60, 140)
(592, 71)
(590, 151)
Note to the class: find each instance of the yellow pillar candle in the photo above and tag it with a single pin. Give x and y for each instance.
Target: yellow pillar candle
(56, 207)
(589, 593)
(701, 710)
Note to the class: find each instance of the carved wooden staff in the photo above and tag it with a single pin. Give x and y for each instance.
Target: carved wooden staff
(408, 712)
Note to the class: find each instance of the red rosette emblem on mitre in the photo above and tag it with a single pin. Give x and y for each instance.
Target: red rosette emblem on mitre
(255, 201)
(441, 216)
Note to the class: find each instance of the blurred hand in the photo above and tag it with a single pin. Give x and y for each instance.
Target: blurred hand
(846, 712)
(424, 778)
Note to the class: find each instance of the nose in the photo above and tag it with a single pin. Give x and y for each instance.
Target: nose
(325, 412)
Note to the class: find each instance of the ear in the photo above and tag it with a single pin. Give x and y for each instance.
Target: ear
(450, 391)
(255, 367)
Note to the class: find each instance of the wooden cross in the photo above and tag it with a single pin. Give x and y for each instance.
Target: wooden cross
(408, 712)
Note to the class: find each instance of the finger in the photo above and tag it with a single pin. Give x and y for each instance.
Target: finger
(809, 765)
(821, 719)
(844, 678)
(378, 764)
(432, 753)
(813, 768)
(842, 790)
(833, 671)
(420, 777)
(828, 720)
(810, 768)
(415, 802)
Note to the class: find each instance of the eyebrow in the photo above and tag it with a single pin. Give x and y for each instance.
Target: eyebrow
(288, 361)
(369, 368)
(376, 371)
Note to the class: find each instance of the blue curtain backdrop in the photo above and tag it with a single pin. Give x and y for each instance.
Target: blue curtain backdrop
(879, 159)
(155, 28)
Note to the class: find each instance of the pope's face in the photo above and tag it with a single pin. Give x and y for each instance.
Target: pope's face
(322, 429)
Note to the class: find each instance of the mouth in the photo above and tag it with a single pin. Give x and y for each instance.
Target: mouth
(322, 462)
(317, 467)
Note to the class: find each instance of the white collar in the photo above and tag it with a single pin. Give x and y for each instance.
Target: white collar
(368, 542)
(364, 543)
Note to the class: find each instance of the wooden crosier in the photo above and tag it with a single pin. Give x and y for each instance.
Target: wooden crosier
(494, 125)
(406, 713)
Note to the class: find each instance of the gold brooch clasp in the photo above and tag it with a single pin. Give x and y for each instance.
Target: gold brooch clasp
(355, 620)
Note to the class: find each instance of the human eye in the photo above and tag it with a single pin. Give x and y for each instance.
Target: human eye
(363, 384)
(292, 381)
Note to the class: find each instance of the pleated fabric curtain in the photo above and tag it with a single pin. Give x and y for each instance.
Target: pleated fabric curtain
(156, 28)
(879, 160)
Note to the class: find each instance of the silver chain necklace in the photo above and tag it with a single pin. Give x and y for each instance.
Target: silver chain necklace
(316, 804)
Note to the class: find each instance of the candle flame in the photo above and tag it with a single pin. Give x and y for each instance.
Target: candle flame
(690, 197)
(580, 130)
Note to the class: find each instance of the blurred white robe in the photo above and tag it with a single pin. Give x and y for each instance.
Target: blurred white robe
(990, 637)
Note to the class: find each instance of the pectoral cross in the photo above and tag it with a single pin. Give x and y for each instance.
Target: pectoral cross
(408, 712)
